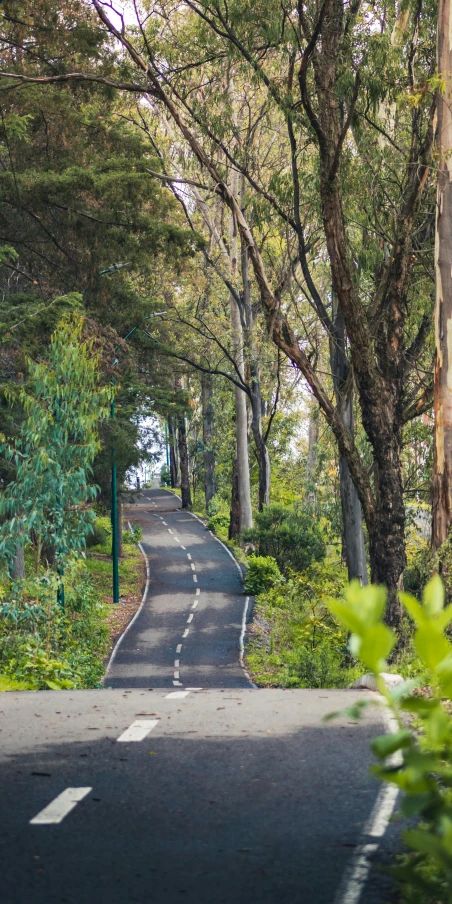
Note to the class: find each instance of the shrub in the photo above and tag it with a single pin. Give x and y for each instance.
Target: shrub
(424, 770)
(133, 535)
(262, 573)
(98, 535)
(292, 536)
(219, 521)
(48, 647)
(300, 643)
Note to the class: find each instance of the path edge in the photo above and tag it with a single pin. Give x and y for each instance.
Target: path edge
(132, 620)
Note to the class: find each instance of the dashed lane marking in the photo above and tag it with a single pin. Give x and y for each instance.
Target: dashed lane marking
(176, 674)
(138, 730)
(195, 579)
(182, 547)
(170, 531)
(190, 618)
(177, 683)
(198, 592)
(186, 633)
(188, 555)
(60, 807)
(176, 663)
(193, 567)
(178, 648)
(195, 604)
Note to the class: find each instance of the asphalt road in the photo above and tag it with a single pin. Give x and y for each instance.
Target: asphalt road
(194, 607)
(221, 795)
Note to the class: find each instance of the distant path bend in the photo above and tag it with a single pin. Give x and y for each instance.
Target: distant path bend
(188, 631)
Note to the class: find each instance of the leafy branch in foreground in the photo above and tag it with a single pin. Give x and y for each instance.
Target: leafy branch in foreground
(424, 772)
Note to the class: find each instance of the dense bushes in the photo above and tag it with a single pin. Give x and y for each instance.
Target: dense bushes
(262, 573)
(290, 535)
(46, 646)
(296, 641)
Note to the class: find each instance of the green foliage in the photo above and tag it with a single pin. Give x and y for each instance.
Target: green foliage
(292, 536)
(133, 535)
(54, 453)
(165, 477)
(296, 642)
(219, 521)
(262, 573)
(43, 646)
(98, 536)
(424, 770)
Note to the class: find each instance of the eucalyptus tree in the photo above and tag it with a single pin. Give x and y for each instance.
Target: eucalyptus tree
(326, 74)
(442, 476)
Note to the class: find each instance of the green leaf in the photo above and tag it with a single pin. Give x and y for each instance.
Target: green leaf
(431, 645)
(376, 646)
(433, 596)
(385, 745)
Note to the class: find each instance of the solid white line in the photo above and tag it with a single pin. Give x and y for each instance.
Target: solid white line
(176, 674)
(355, 878)
(351, 889)
(382, 812)
(60, 807)
(143, 600)
(186, 632)
(138, 730)
(176, 663)
(195, 604)
(177, 695)
(178, 648)
(190, 618)
(195, 579)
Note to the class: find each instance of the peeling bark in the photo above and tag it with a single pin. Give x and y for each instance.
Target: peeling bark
(442, 470)
(207, 437)
(184, 469)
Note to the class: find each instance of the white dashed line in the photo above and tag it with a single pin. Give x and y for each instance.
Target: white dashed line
(188, 555)
(164, 522)
(176, 663)
(177, 683)
(176, 674)
(138, 730)
(177, 695)
(178, 648)
(198, 592)
(193, 567)
(183, 547)
(186, 632)
(195, 579)
(170, 531)
(190, 618)
(195, 604)
(60, 807)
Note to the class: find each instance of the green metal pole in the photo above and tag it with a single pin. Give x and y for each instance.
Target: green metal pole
(114, 513)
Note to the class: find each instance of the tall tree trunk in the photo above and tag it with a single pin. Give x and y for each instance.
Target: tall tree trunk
(241, 417)
(442, 470)
(234, 520)
(255, 384)
(311, 462)
(351, 507)
(184, 470)
(207, 438)
(17, 569)
(174, 456)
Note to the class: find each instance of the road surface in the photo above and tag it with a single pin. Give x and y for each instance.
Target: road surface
(224, 794)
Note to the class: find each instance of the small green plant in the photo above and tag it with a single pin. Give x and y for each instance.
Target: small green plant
(134, 535)
(262, 573)
(219, 521)
(424, 774)
(292, 536)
